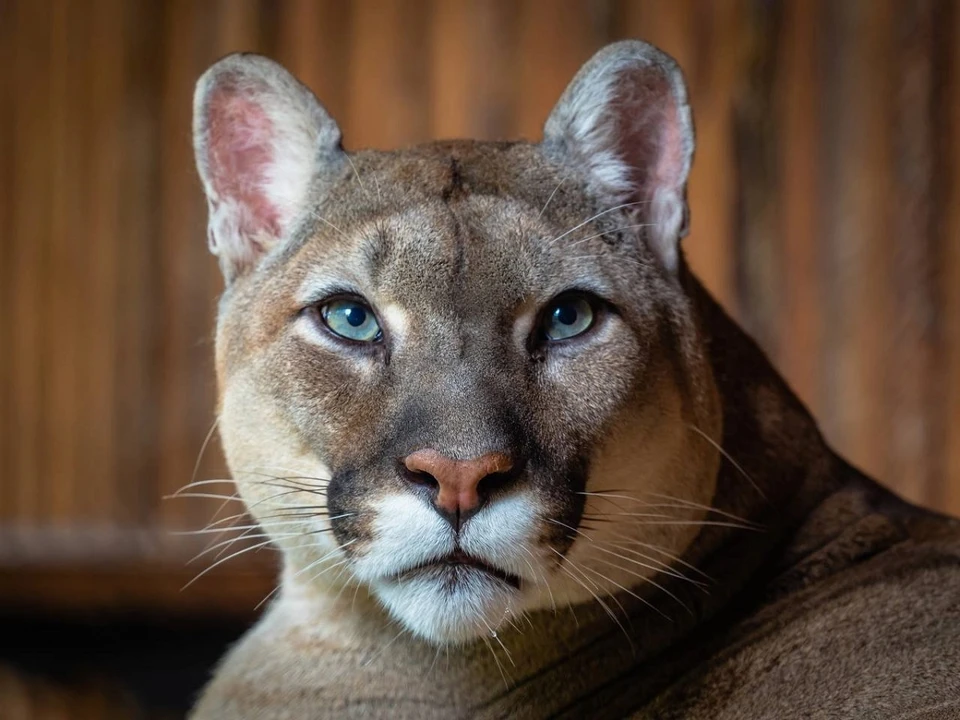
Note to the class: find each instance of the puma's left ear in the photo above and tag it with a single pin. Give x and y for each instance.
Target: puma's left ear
(625, 123)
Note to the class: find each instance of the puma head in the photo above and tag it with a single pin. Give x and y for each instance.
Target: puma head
(465, 375)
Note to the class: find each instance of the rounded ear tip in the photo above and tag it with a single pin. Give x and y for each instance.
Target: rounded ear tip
(637, 50)
(239, 65)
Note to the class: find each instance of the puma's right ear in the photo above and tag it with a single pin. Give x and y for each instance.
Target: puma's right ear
(260, 138)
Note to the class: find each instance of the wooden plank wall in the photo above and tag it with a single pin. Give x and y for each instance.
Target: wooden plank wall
(825, 196)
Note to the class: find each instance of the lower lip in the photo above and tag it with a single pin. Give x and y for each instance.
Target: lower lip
(450, 567)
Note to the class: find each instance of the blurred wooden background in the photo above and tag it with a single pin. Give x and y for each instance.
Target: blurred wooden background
(826, 216)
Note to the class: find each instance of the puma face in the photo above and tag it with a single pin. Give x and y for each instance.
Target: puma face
(465, 375)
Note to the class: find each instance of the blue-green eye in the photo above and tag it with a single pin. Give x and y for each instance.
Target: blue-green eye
(568, 317)
(351, 319)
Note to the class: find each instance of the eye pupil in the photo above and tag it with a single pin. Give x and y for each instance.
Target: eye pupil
(565, 314)
(355, 315)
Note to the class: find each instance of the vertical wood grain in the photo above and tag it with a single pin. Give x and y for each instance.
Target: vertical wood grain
(99, 366)
(389, 89)
(314, 44)
(181, 229)
(64, 313)
(856, 192)
(912, 378)
(555, 38)
(708, 42)
(799, 104)
(31, 228)
(138, 322)
(473, 51)
(7, 240)
(836, 237)
(948, 494)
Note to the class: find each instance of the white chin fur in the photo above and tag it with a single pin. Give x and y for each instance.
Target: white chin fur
(448, 605)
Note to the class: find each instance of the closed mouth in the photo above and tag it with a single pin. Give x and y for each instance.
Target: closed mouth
(458, 560)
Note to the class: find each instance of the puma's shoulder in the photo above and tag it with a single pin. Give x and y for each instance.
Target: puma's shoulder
(864, 626)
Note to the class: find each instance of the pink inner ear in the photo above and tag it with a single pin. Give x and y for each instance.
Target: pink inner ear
(241, 138)
(650, 134)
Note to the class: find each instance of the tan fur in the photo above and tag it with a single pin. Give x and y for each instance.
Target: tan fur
(456, 245)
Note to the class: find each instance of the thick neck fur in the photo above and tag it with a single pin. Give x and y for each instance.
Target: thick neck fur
(351, 657)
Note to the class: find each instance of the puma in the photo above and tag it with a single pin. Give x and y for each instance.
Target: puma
(518, 462)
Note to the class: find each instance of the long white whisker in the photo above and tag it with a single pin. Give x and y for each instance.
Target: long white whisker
(223, 560)
(605, 607)
(637, 226)
(723, 452)
(660, 567)
(646, 579)
(594, 217)
(550, 199)
(630, 592)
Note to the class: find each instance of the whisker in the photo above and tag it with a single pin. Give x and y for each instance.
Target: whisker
(317, 216)
(633, 594)
(223, 560)
(320, 560)
(201, 483)
(503, 674)
(660, 568)
(627, 540)
(550, 199)
(341, 563)
(210, 496)
(674, 501)
(294, 475)
(723, 452)
(605, 607)
(543, 577)
(715, 523)
(388, 644)
(637, 226)
(209, 531)
(496, 637)
(359, 181)
(645, 579)
(594, 217)
(203, 448)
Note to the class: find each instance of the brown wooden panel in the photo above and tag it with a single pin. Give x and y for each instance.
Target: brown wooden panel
(314, 44)
(857, 198)
(799, 104)
(185, 407)
(947, 495)
(389, 93)
(8, 87)
(824, 198)
(555, 37)
(31, 228)
(63, 314)
(106, 64)
(474, 47)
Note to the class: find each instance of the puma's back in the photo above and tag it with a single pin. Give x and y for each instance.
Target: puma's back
(518, 462)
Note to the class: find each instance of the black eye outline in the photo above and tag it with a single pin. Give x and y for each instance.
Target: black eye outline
(316, 311)
(540, 341)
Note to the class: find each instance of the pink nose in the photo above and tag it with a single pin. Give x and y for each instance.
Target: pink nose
(458, 481)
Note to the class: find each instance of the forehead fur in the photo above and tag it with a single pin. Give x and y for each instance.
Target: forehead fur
(447, 223)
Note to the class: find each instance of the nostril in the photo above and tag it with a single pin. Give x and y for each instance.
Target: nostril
(418, 477)
(493, 482)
